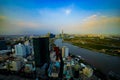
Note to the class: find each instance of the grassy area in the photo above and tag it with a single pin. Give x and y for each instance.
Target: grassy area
(107, 46)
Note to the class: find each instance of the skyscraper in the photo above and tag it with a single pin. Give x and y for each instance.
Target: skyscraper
(41, 51)
(62, 34)
(65, 51)
(20, 50)
(28, 47)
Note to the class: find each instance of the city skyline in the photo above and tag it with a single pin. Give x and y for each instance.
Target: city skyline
(73, 16)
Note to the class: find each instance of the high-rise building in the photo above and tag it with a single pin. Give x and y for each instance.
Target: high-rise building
(62, 35)
(65, 51)
(3, 45)
(28, 47)
(57, 50)
(20, 50)
(41, 51)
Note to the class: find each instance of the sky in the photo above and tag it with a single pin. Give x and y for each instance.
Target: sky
(71, 16)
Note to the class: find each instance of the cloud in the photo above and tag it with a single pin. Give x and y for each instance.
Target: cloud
(92, 17)
(27, 24)
(19, 27)
(95, 20)
(3, 22)
(95, 24)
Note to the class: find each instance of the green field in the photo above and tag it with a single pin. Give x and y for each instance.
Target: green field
(107, 45)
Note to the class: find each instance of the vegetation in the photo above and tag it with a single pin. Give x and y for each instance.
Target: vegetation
(107, 45)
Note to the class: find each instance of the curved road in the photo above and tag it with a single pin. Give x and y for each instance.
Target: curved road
(101, 61)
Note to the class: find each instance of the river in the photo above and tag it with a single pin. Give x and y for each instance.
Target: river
(101, 61)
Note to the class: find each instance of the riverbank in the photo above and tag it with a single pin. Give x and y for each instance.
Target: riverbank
(101, 61)
(103, 46)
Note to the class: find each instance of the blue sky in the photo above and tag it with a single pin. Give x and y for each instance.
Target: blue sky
(71, 16)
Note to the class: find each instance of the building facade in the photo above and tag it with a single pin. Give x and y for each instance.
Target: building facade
(41, 51)
(20, 50)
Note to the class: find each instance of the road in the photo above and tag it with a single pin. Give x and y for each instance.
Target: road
(101, 61)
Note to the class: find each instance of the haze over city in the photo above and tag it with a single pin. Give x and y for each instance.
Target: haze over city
(71, 16)
(59, 40)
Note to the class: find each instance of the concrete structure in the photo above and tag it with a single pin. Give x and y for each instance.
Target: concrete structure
(65, 51)
(28, 47)
(20, 50)
(2, 52)
(52, 56)
(15, 65)
(29, 67)
(87, 71)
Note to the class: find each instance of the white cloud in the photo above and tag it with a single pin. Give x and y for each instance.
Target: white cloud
(95, 24)
(92, 17)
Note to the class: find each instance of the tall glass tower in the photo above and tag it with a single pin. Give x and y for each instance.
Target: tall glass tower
(41, 51)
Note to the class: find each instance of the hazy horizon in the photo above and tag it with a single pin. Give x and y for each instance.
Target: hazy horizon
(73, 17)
